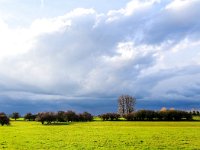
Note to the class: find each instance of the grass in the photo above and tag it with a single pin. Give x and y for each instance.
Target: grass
(197, 118)
(115, 135)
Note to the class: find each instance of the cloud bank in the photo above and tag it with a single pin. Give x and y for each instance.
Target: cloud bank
(148, 49)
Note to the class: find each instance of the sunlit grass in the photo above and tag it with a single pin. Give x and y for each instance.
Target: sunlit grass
(101, 135)
(197, 118)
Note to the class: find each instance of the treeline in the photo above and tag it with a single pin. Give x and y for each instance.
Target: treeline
(71, 116)
(150, 115)
(61, 116)
(109, 116)
(195, 113)
(48, 117)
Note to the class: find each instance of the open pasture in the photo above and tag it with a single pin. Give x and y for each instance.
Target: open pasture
(101, 135)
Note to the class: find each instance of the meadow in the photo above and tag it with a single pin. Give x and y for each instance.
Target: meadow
(110, 135)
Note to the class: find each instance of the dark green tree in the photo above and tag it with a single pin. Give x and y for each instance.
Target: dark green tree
(4, 119)
(29, 117)
(15, 115)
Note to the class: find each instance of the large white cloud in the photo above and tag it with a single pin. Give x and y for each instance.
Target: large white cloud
(146, 48)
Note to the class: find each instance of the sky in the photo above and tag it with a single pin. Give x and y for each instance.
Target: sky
(82, 55)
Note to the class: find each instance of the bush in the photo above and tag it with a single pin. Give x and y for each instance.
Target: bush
(167, 115)
(47, 117)
(15, 115)
(85, 117)
(71, 116)
(61, 116)
(4, 119)
(109, 116)
(174, 115)
(130, 116)
(141, 115)
(195, 113)
(30, 117)
(114, 116)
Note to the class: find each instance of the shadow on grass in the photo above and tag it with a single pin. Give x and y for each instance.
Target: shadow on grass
(64, 123)
(56, 124)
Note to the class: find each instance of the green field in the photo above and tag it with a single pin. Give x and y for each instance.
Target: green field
(101, 135)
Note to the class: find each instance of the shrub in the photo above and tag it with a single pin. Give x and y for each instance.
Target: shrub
(130, 116)
(47, 117)
(71, 116)
(114, 116)
(195, 113)
(15, 115)
(109, 116)
(4, 119)
(61, 116)
(104, 117)
(29, 117)
(198, 113)
(150, 115)
(140, 115)
(174, 115)
(166, 115)
(85, 117)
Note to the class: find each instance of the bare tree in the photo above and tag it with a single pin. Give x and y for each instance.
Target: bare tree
(126, 104)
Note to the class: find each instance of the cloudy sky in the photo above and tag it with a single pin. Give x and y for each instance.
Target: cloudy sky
(83, 54)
